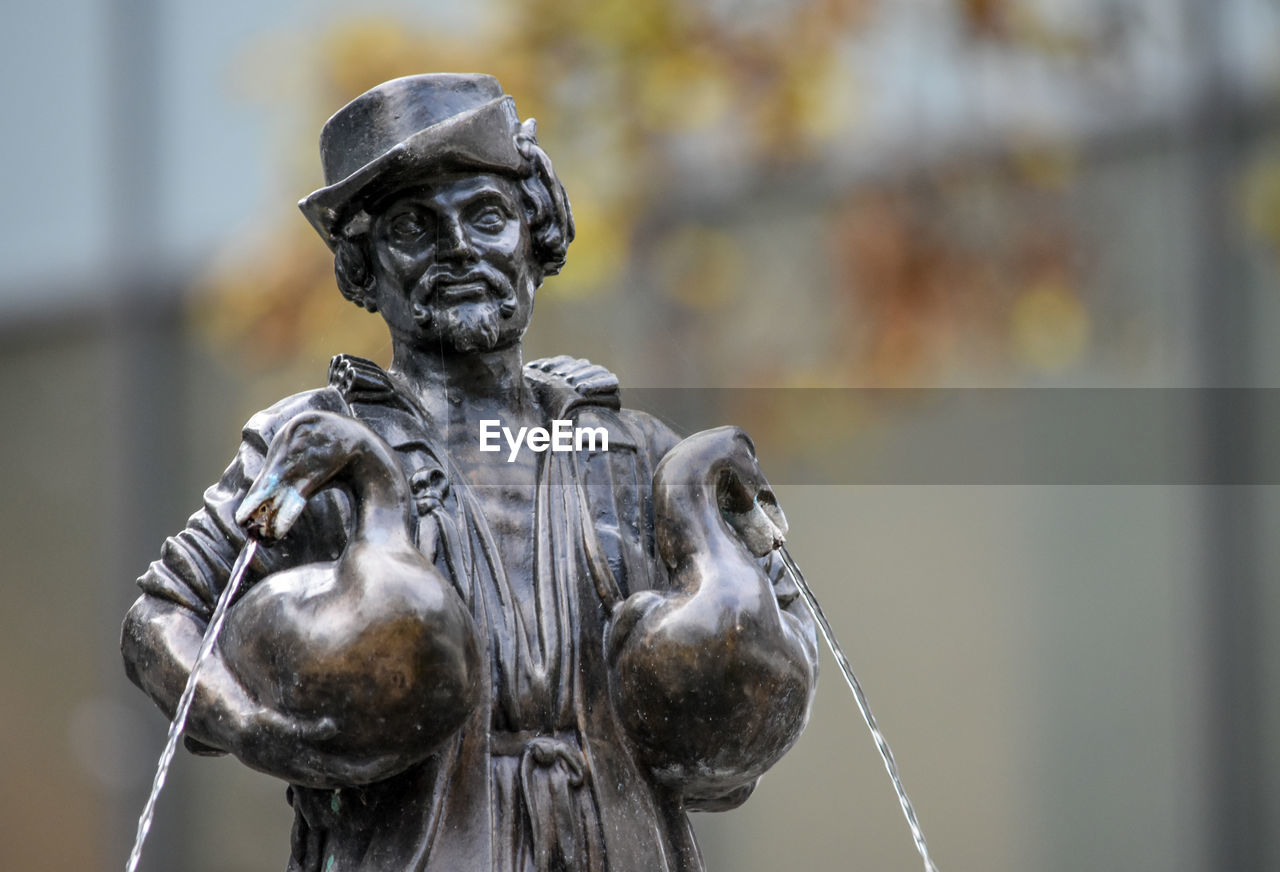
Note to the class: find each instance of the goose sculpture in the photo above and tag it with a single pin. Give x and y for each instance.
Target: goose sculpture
(715, 647)
(378, 640)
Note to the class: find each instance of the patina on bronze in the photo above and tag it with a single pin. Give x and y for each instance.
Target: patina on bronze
(459, 662)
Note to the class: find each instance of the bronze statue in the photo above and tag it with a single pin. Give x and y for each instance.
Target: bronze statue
(495, 620)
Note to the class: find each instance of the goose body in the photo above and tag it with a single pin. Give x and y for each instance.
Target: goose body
(377, 641)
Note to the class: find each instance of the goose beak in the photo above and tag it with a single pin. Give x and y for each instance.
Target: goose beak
(270, 509)
(762, 528)
(773, 512)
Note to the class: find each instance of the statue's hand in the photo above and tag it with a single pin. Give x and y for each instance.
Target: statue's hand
(276, 727)
(265, 734)
(265, 725)
(300, 751)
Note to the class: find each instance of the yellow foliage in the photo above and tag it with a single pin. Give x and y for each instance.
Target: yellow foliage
(1260, 194)
(1044, 164)
(1049, 326)
(610, 82)
(700, 267)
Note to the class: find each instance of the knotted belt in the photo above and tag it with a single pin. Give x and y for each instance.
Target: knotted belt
(552, 768)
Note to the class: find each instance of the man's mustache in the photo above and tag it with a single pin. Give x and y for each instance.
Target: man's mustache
(438, 276)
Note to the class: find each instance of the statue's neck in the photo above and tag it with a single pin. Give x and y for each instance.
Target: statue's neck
(460, 389)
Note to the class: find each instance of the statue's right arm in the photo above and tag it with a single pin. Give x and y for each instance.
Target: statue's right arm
(160, 641)
(164, 629)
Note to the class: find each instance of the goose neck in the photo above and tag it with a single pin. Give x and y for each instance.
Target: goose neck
(689, 509)
(380, 494)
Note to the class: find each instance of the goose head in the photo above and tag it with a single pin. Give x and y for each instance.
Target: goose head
(717, 469)
(304, 455)
(745, 499)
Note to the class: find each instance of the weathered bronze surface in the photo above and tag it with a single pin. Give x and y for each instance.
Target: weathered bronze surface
(457, 661)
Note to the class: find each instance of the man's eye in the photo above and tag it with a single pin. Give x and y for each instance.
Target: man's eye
(490, 218)
(406, 226)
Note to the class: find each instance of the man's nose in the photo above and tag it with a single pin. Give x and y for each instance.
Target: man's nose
(451, 241)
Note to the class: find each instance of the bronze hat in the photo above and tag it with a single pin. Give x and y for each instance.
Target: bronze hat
(404, 128)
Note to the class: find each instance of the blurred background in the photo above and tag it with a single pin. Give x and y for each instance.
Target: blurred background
(996, 284)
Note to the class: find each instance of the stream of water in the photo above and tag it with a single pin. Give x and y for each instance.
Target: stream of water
(882, 745)
(184, 702)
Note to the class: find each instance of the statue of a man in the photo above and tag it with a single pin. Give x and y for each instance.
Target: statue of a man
(614, 643)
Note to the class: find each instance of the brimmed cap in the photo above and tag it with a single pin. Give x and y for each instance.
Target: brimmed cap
(404, 129)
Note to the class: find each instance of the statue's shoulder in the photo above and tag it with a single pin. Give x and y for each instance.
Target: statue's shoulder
(355, 386)
(371, 394)
(576, 386)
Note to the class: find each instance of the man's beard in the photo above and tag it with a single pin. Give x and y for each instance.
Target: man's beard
(470, 324)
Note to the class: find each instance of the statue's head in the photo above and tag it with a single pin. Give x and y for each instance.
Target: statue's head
(442, 211)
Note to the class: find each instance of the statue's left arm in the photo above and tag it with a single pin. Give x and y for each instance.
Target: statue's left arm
(713, 676)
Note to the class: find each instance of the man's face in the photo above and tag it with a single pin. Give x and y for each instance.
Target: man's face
(453, 263)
